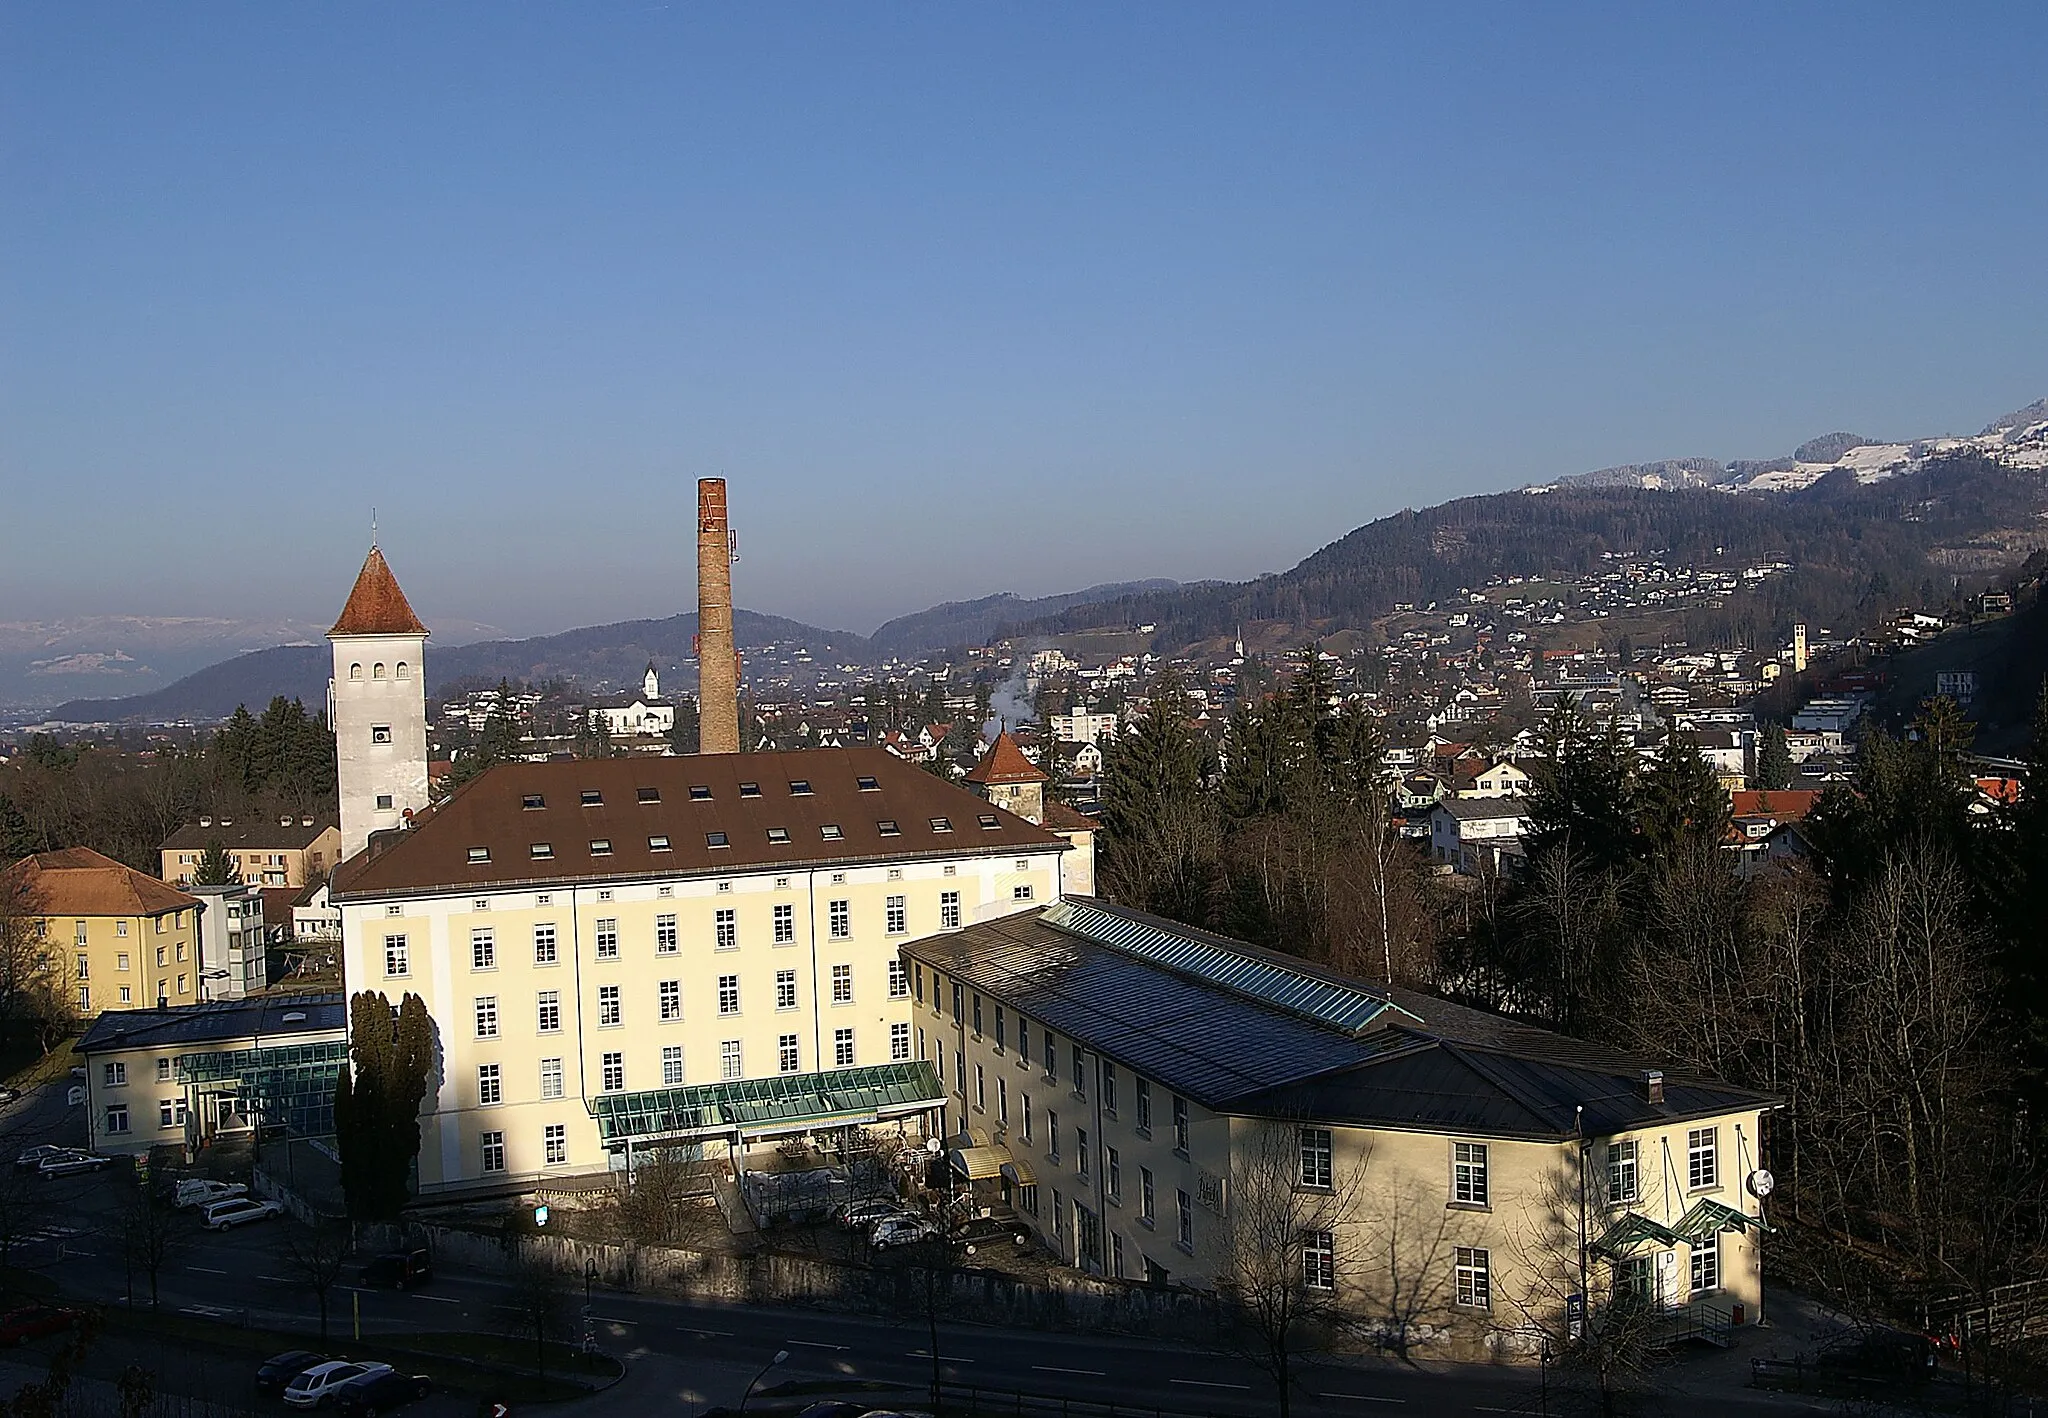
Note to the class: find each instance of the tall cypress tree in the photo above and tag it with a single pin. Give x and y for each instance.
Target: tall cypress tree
(1773, 760)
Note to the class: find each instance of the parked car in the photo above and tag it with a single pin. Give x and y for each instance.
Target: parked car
(316, 1387)
(237, 1211)
(400, 1270)
(380, 1391)
(901, 1231)
(1890, 1353)
(835, 1408)
(978, 1231)
(30, 1160)
(9, 1095)
(868, 1210)
(198, 1192)
(71, 1161)
(35, 1321)
(280, 1369)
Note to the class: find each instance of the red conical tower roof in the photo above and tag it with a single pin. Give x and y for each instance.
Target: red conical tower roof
(376, 606)
(1005, 763)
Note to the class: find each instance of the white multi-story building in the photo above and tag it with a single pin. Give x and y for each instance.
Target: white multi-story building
(1079, 725)
(696, 951)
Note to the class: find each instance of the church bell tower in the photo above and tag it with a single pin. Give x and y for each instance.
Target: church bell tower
(377, 703)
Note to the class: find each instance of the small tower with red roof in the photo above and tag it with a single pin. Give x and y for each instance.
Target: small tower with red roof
(1009, 780)
(377, 703)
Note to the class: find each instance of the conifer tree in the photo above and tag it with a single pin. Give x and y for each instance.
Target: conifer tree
(1773, 760)
(214, 868)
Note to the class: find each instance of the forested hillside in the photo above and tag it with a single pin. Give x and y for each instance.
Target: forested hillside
(1857, 548)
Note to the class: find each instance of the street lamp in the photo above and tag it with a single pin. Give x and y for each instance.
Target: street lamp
(781, 1356)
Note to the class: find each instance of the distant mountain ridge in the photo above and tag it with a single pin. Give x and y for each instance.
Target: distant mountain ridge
(2019, 440)
(976, 622)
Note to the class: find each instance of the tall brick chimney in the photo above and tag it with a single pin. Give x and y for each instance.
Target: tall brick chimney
(718, 688)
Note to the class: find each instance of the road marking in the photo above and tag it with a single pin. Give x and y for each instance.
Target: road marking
(812, 1344)
(1372, 1398)
(1056, 1369)
(1205, 1383)
(444, 1299)
(926, 1354)
(278, 1279)
(607, 1319)
(205, 1270)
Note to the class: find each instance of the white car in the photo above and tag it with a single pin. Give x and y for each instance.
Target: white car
(71, 1160)
(901, 1230)
(197, 1191)
(315, 1388)
(224, 1215)
(34, 1158)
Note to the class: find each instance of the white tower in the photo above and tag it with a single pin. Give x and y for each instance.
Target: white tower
(377, 703)
(650, 683)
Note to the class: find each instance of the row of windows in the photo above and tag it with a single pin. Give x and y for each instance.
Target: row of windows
(483, 940)
(490, 1082)
(174, 920)
(544, 899)
(669, 999)
(554, 1148)
(355, 671)
(716, 839)
(701, 793)
(1469, 1166)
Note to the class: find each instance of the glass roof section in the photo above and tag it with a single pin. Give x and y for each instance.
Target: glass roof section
(769, 1105)
(292, 1084)
(1346, 1007)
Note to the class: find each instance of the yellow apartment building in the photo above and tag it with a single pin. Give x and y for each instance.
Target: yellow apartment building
(698, 951)
(1167, 1105)
(112, 938)
(282, 850)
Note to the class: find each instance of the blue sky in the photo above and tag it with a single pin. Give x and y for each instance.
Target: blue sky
(960, 298)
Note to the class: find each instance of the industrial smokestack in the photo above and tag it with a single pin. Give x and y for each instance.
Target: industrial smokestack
(718, 677)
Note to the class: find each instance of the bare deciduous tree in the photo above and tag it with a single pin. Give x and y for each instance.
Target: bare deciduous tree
(315, 1257)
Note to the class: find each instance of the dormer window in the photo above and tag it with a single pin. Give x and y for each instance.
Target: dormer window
(593, 798)
(888, 828)
(990, 821)
(942, 824)
(533, 802)
(716, 839)
(649, 795)
(699, 793)
(799, 787)
(479, 854)
(867, 784)
(541, 850)
(600, 846)
(658, 844)
(750, 790)
(778, 835)
(830, 832)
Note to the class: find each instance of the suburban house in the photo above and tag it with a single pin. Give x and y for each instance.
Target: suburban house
(1147, 1096)
(1474, 834)
(285, 850)
(642, 715)
(111, 937)
(1501, 779)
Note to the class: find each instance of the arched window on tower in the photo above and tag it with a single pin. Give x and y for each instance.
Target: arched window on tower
(355, 671)
(377, 670)
(404, 670)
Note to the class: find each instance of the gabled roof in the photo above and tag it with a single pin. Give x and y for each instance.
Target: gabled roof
(1005, 763)
(1784, 804)
(78, 881)
(259, 830)
(617, 819)
(376, 606)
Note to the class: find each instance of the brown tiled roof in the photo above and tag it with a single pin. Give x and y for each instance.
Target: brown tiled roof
(78, 881)
(1005, 763)
(1785, 804)
(490, 814)
(1061, 818)
(258, 830)
(376, 606)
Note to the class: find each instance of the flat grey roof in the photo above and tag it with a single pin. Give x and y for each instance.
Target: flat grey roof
(215, 1021)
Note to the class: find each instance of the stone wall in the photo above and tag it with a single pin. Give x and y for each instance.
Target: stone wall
(984, 1296)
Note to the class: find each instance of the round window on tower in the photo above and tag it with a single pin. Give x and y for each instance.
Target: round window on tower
(404, 670)
(355, 671)
(377, 670)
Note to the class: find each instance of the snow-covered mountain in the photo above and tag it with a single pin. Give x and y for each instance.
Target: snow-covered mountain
(2019, 440)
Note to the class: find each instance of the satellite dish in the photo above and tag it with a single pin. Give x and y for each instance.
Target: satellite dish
(1760, 1183)
(934, 1146)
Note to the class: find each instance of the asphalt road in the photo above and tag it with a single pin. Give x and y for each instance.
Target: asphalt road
(244, 1277)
